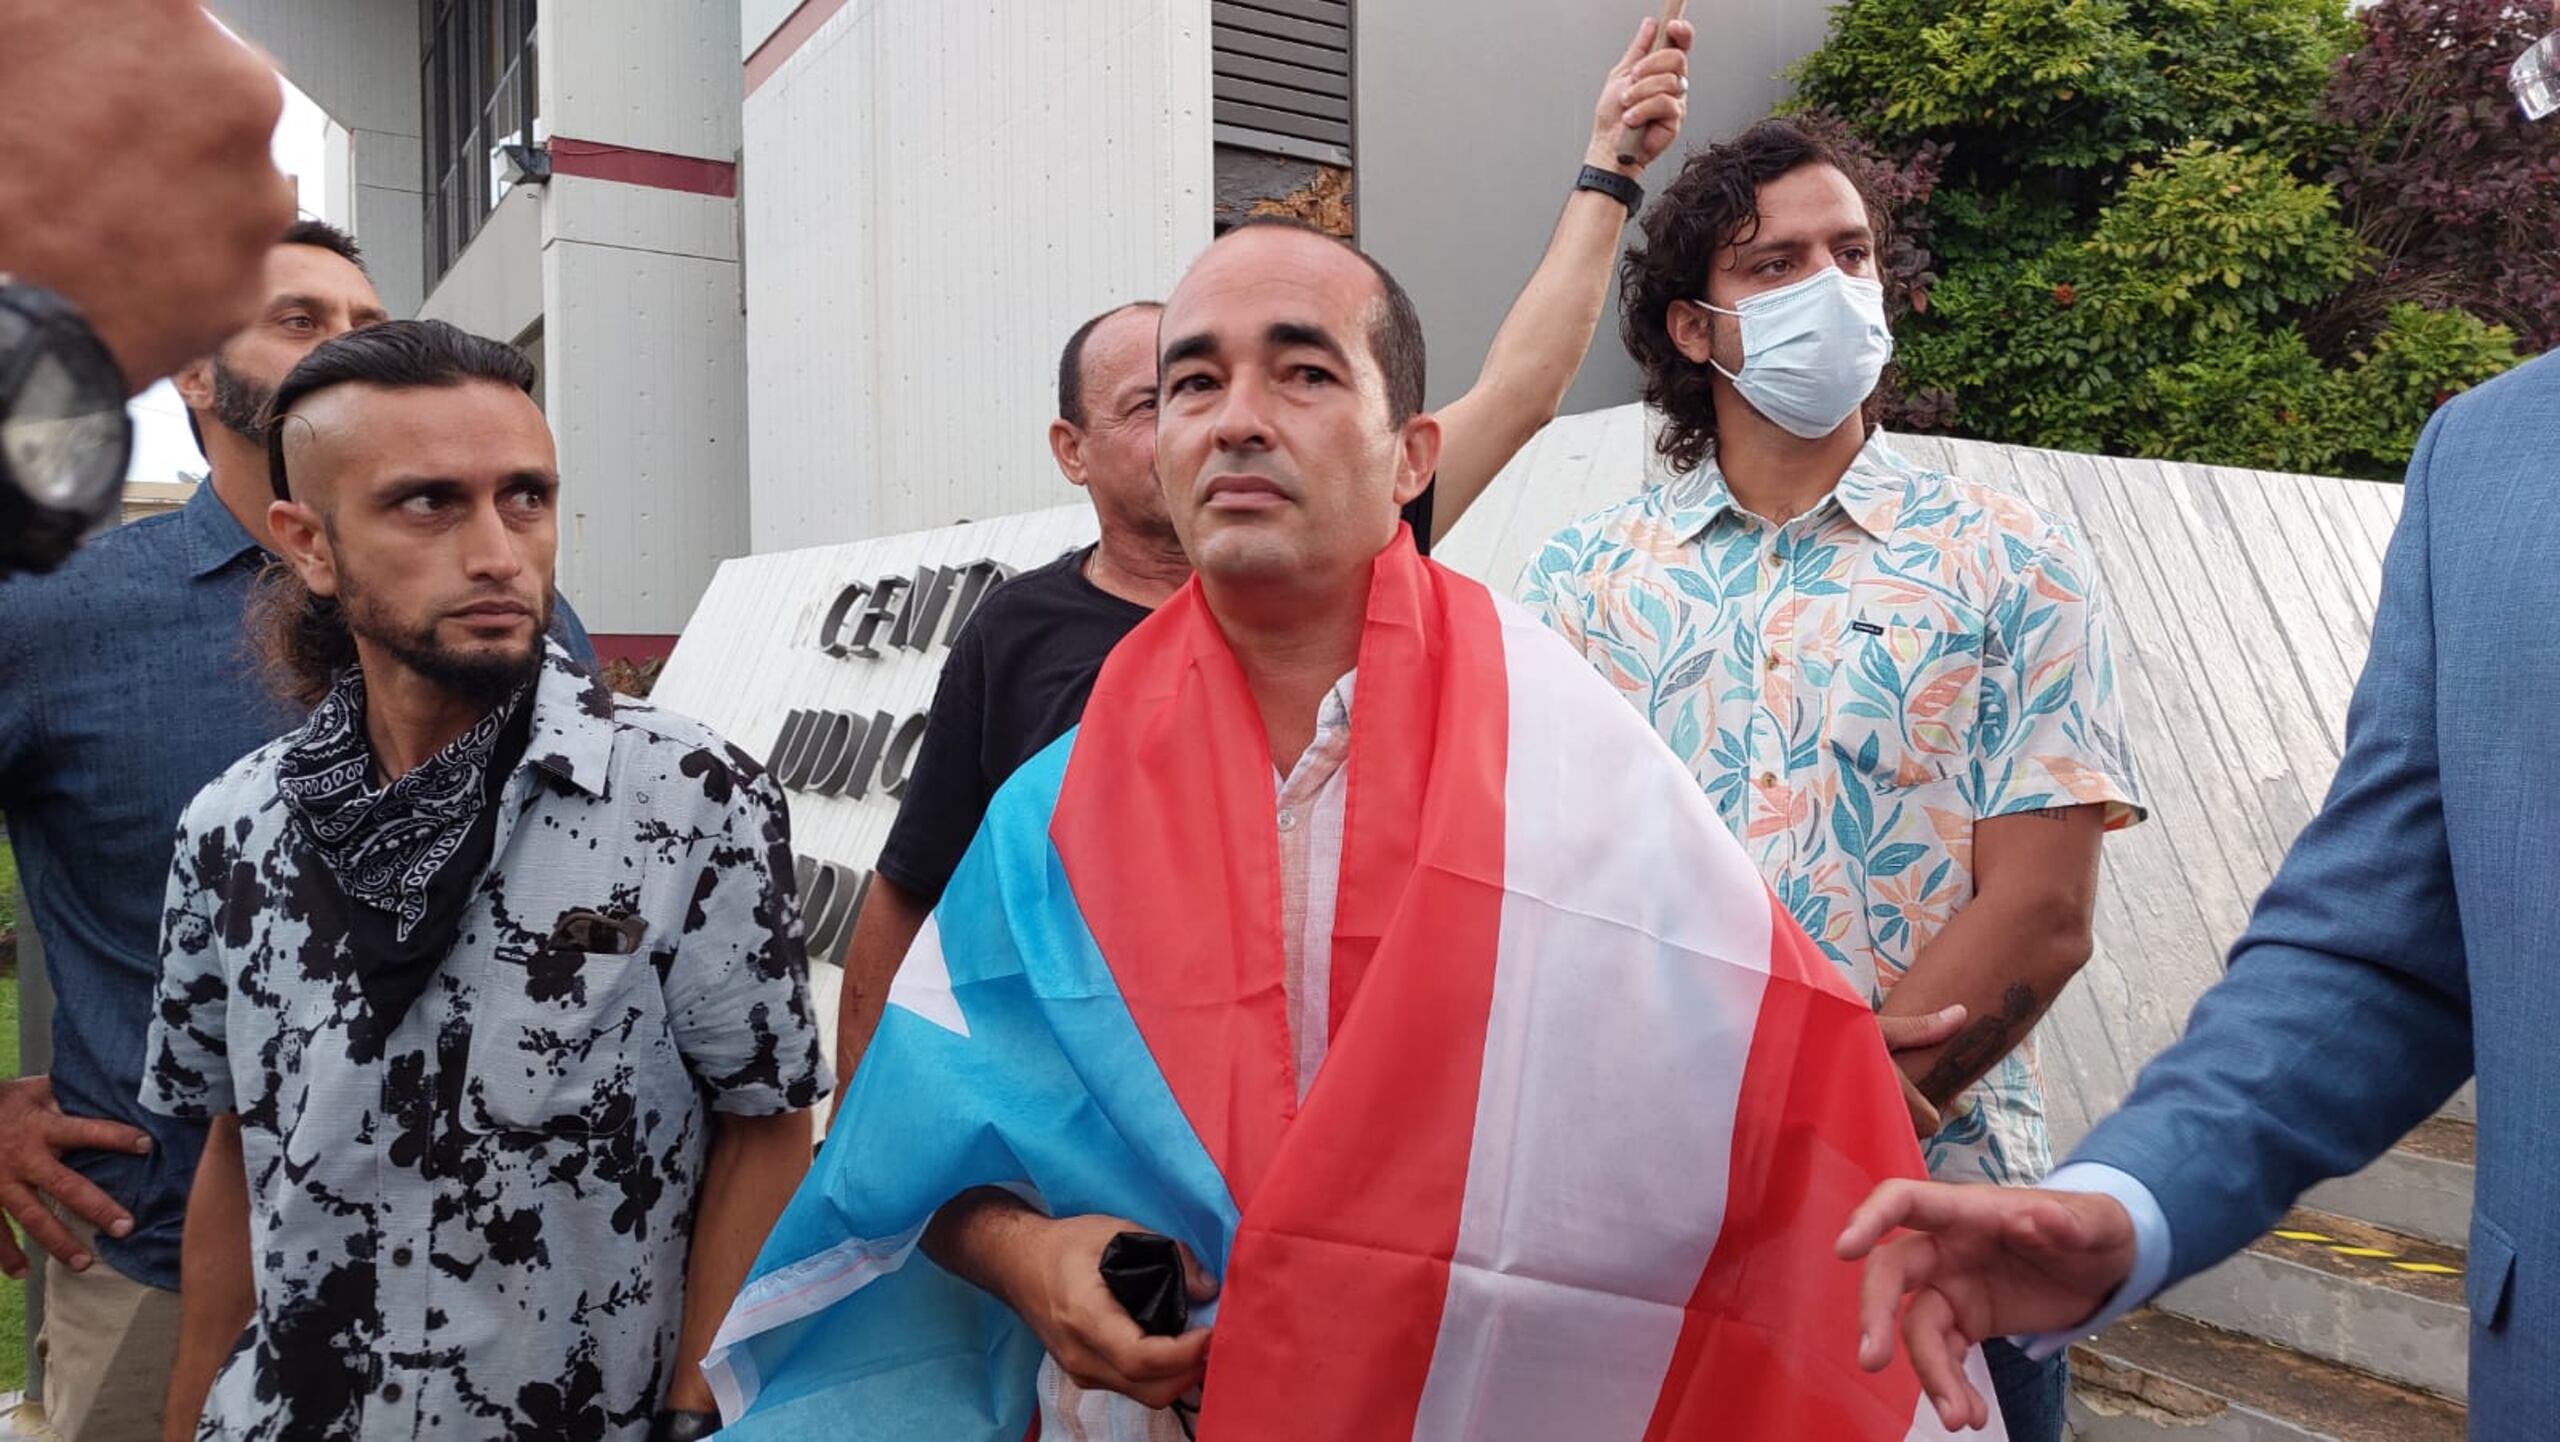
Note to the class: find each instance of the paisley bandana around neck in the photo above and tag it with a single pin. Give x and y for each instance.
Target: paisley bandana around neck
(390, 848)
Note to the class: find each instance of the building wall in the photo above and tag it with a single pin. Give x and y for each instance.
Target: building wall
(495, 285)
(642, 344)
(358, 60)
(935, 195)
(651, 74)
(1470, 120)
(643, 347)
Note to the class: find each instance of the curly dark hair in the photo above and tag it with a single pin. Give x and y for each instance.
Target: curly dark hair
(1715, 202)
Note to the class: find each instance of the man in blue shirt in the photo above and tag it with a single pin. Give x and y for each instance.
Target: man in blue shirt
(126, 684)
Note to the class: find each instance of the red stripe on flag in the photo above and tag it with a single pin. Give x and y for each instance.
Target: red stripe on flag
(1165, 825)
(1770, 1345)
(1342, 1262)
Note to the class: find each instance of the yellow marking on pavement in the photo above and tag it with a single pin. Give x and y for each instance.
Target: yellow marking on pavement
(2335, 1247)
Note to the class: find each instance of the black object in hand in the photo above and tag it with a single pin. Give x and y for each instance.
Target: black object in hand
(1144, 1273)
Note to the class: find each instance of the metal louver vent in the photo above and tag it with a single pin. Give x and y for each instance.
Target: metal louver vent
(1281, 76)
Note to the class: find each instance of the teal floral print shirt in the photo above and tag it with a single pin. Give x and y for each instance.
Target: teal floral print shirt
(1855, 689)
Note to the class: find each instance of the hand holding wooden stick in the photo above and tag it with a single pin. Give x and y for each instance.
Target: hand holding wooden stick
(1631, 137)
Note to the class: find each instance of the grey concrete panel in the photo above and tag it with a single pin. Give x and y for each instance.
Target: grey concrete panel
(2154, 1375)
(2420, 1196)
(2395, 1335)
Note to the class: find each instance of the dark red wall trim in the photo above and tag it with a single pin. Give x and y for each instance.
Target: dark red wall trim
(597, 160)
(787, 39)
(632, 647)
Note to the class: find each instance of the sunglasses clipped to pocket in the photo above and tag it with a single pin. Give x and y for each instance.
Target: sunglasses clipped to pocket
(596, 933)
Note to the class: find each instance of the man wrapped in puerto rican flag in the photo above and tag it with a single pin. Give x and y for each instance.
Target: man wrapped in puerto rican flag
(1366, 944)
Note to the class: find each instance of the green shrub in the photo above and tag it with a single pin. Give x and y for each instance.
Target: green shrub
(2421, 359)
(2125, 338)
(2121, 228)
(2217, 240)
(2028, 86)
(2244, 398)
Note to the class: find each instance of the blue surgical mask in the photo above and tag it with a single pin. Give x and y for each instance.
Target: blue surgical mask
(1812, 352)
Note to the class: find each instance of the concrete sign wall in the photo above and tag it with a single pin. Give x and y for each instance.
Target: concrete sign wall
(822, 662)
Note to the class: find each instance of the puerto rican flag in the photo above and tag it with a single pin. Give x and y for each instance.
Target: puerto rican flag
(1593, 1109)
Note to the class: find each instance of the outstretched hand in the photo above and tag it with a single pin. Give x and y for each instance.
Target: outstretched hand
(1978, 1262)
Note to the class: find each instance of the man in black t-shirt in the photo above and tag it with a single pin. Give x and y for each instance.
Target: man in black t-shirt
(1020, 670)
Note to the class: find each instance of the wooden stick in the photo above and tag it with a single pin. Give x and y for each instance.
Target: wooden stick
(1631, 137)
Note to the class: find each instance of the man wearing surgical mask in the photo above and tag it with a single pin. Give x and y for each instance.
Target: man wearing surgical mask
(1896, 685)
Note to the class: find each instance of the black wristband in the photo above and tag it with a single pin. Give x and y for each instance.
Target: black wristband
(674, 1426)
(1613, 185)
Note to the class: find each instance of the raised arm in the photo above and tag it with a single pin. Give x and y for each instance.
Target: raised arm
(1539, 349)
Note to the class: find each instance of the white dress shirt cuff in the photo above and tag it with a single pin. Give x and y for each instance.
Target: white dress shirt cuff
(2150, 1250)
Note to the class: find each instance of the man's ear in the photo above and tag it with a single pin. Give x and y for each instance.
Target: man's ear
(1693, 329)
(194, 383)
(303, 540)
(1066, 445)
(1417, 458)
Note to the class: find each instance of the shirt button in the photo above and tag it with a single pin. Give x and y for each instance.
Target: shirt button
(400, 1256)
(1775, 661)
(391, 1392)
(1288, 820)
(1768, 779)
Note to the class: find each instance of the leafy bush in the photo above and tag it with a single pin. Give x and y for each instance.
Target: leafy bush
(2128, 225)
(2246, 398)
(2124, 338)
(2416, 363)
(2444, 176)
(2023, 87)
(2217, 239)
(635, 679)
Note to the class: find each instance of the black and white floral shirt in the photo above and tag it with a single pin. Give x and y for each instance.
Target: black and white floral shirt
(477, 1226)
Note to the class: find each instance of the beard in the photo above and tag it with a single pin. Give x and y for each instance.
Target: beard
(240, 402)
(479, 678)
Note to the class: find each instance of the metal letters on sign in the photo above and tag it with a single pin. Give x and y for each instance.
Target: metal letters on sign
(824, 661)
(826, 752)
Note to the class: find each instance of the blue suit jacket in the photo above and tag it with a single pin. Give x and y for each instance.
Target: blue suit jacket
(2413, 933)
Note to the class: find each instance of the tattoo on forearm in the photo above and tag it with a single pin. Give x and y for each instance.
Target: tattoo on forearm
(1979, 1045)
